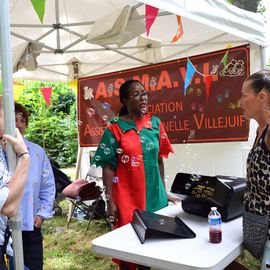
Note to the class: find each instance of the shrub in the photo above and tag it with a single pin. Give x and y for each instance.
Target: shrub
(53, 127)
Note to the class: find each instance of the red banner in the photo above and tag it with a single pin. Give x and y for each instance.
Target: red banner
(207, 113)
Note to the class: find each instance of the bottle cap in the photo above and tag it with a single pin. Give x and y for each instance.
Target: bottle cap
(213, 208)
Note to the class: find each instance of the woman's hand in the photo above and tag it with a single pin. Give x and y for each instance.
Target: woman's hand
(38, 221)
(18, 144)
(173, 199)
(112, 212)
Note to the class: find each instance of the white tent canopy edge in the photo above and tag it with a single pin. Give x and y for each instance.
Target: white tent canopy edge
(220, 15)
(208, 25)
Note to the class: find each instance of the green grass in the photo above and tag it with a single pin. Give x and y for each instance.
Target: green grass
(250, 262)
(71, 172)
(70, 248)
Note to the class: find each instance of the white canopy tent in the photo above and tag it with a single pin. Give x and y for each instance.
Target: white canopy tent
(208, 25)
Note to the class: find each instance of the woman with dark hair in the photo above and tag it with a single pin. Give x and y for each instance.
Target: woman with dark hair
(131, 154)
(38, 197)
(255, 103)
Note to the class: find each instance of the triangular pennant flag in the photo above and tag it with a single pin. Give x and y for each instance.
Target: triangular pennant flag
(39, 6)
(150, 16)
(180, 30)
(189, 73)
(208, 80)
(224, 62)
(47, 92)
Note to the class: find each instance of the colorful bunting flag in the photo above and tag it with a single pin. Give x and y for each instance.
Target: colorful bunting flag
(150, 16)
(224, 62)
(39, 6)
(190, 70)
(47, 92)
(208, 80)
(180, 30)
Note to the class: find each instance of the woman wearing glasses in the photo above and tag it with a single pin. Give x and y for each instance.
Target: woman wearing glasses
(131, 154)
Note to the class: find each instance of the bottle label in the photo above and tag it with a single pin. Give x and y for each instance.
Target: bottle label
(215, 221)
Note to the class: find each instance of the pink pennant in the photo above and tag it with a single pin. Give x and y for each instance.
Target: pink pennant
(47, 92)
(150, 16)
(208, 80)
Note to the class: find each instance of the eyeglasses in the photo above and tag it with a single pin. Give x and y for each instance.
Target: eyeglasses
(137, 95)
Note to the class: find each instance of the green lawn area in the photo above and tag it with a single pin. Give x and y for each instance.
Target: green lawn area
(70, 248)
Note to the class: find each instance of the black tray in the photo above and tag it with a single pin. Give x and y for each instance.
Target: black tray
(152, 225)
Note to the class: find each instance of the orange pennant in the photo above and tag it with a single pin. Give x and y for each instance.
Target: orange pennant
(180, 30)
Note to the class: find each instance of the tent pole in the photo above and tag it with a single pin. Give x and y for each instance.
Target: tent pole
(8, 101)
(77, 175)
(31, 41)
(58, 42)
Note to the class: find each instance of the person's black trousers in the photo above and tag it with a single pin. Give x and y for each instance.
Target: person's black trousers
(33, 249)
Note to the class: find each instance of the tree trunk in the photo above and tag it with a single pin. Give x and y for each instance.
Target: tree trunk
(250, 5)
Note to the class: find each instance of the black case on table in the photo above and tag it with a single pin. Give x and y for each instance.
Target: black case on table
(151, 225)
(201, 192)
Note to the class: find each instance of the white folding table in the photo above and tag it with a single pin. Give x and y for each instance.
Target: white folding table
(174, 254)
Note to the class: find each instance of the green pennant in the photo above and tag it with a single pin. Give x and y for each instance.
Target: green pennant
(224, 62)
(39, 6)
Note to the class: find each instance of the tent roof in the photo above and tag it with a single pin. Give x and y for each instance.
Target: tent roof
(208, 25)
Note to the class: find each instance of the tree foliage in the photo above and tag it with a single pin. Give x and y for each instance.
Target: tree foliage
(250, 5)
(53, 127)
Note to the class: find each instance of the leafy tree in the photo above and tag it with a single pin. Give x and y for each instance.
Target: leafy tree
(250, 5)
(53, 127)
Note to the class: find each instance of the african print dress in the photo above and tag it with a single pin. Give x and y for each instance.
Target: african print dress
(132, 149)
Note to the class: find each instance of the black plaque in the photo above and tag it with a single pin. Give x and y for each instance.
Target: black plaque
(151, 225)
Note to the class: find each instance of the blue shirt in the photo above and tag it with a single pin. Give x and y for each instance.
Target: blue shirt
(39, 193)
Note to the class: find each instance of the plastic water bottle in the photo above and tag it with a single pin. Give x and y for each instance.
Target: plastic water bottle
(215, 232)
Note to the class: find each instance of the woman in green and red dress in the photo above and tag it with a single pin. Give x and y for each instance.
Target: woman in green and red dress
(131, 154)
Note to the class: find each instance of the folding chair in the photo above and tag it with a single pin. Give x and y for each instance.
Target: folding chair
(85, 194)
